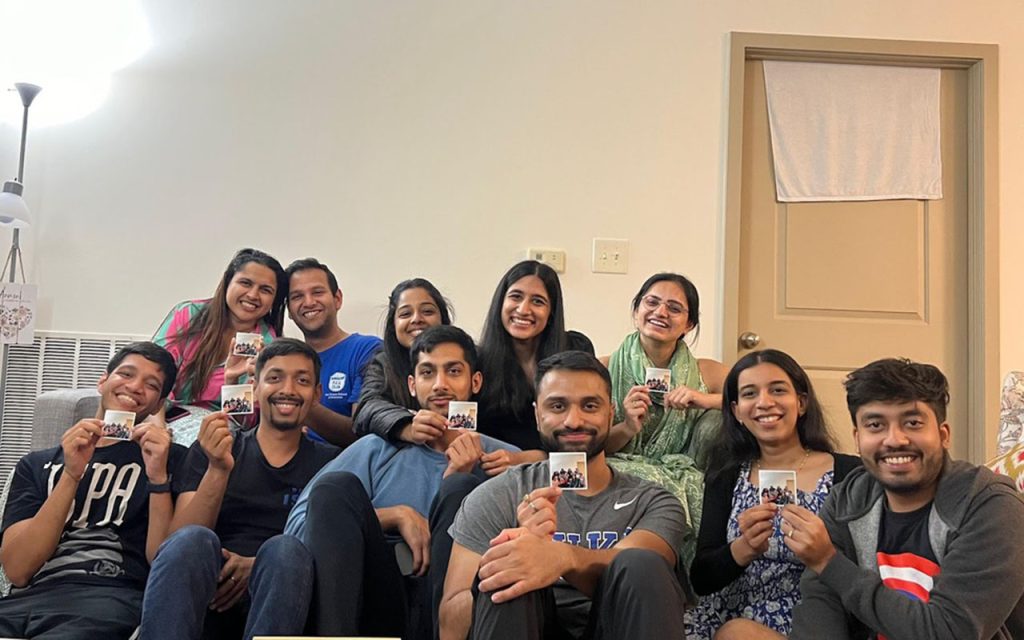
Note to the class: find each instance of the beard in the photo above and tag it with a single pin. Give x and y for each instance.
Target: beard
(931, 470)
(286, 423)
(593, 447)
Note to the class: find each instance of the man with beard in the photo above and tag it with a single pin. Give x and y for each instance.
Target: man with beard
(314, 300)
(914, 544)
(83, 519)
(532, 561)
(225, 568)
(398, 486)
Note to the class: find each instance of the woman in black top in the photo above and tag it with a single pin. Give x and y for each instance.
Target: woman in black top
(385, 405)
(524, 325)
(772, 421)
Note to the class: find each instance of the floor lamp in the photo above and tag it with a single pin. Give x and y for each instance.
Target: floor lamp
(14, 213)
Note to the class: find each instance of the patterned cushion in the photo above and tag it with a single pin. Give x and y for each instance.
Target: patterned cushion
(1011, 414)
(1010, 464)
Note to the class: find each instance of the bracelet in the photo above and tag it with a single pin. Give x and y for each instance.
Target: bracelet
(163, 487)
(77, 480)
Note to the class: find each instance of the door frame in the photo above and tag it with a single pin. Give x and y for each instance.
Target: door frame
(981, 63)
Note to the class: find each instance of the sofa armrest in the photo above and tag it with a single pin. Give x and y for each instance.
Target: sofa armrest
(56, 411)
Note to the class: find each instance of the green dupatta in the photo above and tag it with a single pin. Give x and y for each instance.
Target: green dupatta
(672, 441)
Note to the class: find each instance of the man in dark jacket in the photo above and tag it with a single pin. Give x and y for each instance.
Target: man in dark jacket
(914, 545)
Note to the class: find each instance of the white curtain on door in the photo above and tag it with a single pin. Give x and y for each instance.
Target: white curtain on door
(854, 132)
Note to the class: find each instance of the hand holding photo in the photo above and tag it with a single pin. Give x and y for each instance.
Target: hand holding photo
(778, 487)
(236, 399)
(117, 425)
(248, 345)
(462, 415)
(568, 470)
(658, 380)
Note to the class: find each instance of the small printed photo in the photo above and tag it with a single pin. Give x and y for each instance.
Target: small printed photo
(236, 398)
(462, 415)
(117, 425)
(568, 470)
(777, 486)
(248, 345)
(658, 380)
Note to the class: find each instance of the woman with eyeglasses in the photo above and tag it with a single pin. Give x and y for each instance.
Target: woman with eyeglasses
(661, 435)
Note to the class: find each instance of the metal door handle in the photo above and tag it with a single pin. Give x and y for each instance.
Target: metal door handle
(749, 339)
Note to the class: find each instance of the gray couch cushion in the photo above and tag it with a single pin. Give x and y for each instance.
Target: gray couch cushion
(57, 411)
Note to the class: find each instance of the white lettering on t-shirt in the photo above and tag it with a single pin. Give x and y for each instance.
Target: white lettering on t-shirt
(101, 473)
(120, 494)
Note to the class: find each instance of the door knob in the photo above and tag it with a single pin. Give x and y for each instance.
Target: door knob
(749, 339)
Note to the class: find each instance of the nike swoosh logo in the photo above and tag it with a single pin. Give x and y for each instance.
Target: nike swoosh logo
(619, 505)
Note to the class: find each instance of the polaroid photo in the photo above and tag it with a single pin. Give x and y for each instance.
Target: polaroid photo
(462, 415)
(117, 425)
(778, 487)
(236, 399)
(658, 380)
(248, 344)
(568, 470)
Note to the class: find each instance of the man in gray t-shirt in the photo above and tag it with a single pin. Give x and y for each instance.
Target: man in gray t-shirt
(511, 573)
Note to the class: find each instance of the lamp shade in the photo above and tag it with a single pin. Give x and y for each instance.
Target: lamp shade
(13, 210)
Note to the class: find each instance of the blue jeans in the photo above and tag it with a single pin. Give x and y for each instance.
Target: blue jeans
(183, 581)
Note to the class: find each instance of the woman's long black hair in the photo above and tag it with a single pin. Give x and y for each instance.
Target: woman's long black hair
(506, 388)
(396, 357)
(734, 443)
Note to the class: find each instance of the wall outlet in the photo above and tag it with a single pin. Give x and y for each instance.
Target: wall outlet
(554, 258)
(610, 256)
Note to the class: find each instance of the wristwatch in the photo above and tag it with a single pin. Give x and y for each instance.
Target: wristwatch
(163, 487)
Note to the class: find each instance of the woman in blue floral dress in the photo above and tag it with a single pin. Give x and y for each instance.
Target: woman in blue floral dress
(772, 421)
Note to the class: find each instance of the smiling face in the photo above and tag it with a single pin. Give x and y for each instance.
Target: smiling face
(134, 385)
(768, 405)
(662, 314)
(311, 305)
(442, 376)
(415, 312)
(526, 308)
(250, 293)
(287, 389)
(903, 446)
(574, 411)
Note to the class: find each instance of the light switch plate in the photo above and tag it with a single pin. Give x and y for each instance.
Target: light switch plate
(554, 258)
(610, 255)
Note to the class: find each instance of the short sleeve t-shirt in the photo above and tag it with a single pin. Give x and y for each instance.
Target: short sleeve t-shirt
(594, 522)
(342, 373)
(906, 560)
(104, 538)
(258, 496)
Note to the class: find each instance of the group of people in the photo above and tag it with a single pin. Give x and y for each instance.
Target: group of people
(346, 504)
(236, 405)
(568, 479)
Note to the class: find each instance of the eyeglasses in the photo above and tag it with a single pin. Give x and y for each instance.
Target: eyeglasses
(651, 303)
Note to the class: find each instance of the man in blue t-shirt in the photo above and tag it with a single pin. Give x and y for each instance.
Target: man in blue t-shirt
(84, 518)
(314, 300)
(406, 484)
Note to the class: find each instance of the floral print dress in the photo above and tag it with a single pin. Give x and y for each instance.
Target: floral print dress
(769, 588)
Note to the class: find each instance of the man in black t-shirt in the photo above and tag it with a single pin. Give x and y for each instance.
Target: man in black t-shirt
(226, 568)
(83, 519)
(914, 544)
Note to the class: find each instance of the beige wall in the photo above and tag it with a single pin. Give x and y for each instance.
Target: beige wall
(436, 139)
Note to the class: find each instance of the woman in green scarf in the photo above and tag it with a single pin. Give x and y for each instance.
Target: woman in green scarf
(662, 436)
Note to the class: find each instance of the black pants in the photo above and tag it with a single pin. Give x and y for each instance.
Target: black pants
(638, 597)
(71, 612)
(359, 588)
(442, 514)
